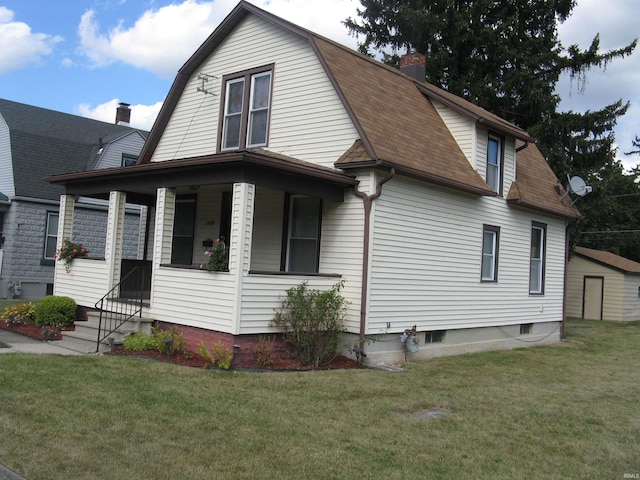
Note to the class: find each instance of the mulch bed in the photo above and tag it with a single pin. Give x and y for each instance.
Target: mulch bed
(190, 359)
(30, 329)
(195, 360)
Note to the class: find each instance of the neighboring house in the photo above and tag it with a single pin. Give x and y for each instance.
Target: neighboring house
(35, 143)
(317, 164)
(603, 286)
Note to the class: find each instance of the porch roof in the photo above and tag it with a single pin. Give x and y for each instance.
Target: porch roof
(259, 167)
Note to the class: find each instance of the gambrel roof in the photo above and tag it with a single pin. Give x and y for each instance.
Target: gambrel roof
(397, 123)
(46, 142)
(609, 259)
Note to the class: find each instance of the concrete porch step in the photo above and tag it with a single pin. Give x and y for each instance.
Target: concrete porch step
(84, 338)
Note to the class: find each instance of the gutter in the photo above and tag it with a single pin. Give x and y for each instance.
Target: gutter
(367, 201)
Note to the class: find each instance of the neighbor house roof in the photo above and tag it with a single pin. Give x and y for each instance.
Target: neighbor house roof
(46, 142)
(609, 259)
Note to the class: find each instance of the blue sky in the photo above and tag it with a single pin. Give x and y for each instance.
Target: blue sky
(85, 56)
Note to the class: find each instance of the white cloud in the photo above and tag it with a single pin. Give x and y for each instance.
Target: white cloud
(319, 16)
(19, 46)
(159, 41)
(142, 116)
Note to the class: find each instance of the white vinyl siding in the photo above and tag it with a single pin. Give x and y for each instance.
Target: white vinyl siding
(461, 127)
(307, 119)
(111, 156)
(426, 262)
(7, 185)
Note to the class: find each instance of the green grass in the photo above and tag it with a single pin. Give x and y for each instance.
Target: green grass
(561, 411)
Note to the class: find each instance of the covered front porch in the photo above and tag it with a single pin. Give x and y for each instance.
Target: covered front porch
(280, 220)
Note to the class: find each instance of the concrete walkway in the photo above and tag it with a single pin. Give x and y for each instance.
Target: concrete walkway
(22, 344)
(6, 474)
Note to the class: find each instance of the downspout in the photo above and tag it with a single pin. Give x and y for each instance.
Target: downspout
(564, 280)
(367, 201)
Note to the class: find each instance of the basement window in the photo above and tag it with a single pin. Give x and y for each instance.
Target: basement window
(525, 328)
(436, 336)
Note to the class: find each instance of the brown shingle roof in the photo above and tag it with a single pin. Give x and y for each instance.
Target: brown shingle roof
(610, 260)
(537, 187)
(399, 126)
(397, 123)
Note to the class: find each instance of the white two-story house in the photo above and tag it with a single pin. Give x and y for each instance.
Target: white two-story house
(317, 164)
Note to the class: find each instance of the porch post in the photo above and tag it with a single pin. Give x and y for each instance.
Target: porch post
(65, 220)
(240, 241)
(65, 224)
(165, 213)
(115, 236)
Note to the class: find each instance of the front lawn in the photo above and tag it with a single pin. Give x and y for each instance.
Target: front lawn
(561, 411)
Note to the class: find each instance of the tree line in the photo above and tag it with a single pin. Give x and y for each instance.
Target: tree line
(506, 56)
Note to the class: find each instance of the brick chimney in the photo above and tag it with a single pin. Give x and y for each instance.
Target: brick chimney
(414, 65)
(123, 114)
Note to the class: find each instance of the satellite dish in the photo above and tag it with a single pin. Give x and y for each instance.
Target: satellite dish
(578, 186)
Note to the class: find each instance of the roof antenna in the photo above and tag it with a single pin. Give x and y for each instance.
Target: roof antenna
(578, 186)
(204, 78)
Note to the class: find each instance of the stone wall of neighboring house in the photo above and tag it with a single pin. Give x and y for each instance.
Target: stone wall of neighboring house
(23, 260)
(90, 228)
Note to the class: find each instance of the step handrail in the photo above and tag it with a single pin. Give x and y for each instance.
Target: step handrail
(115, 310)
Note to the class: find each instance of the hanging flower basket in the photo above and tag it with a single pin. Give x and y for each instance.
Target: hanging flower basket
(69, 251)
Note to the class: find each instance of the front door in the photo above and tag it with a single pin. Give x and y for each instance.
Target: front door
(592, 298)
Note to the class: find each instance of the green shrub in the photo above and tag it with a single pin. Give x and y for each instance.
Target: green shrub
(54, 311)
(19, 314)
(139, 341)
(312, 322)
(219, 355)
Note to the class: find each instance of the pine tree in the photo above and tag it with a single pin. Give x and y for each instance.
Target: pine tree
(505, 56)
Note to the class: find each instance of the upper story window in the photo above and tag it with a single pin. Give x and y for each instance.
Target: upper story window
(247, 102)
(128, 160)
(495, 162)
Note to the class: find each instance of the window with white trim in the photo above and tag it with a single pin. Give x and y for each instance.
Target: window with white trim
(490, 243)
(128, 160)
(537, 258)
(51, 235)
(494, 162)
(247, 104)
(303, 236)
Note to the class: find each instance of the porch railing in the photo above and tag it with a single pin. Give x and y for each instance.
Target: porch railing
(124, 301)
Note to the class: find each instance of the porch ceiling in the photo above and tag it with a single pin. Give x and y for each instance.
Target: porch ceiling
(258, 167)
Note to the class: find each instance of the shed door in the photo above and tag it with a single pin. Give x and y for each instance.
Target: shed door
(592, 298)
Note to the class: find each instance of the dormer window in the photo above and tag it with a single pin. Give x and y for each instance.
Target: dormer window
(247, 102)
(495, 162)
